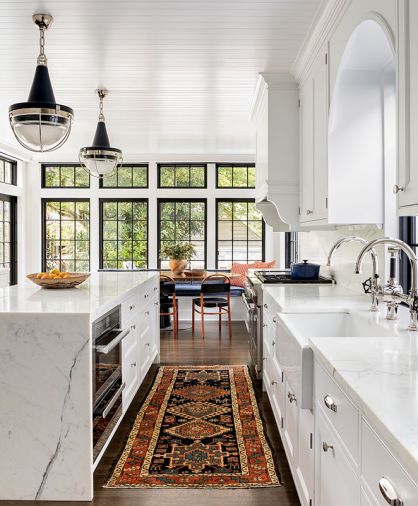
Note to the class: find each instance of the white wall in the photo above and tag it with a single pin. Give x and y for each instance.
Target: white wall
(34, 194)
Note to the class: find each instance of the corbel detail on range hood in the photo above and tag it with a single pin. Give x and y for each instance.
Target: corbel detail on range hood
(275, 113)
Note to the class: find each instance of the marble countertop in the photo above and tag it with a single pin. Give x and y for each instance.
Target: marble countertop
(295, 298)
(99, 290)
(380, 374)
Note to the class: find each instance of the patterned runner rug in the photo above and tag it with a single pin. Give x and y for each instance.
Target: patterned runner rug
(198, 427)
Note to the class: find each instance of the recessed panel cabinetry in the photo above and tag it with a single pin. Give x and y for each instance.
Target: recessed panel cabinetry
(314, 141)
(407, 176)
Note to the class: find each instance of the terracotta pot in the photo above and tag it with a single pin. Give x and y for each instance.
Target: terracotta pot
(177, 266)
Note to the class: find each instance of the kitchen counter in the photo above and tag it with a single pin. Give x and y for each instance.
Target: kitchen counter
(380, 374)
(295, 298)
(46, 382)
(97, 292)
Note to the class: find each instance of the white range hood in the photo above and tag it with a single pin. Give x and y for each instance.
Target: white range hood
(275, 113)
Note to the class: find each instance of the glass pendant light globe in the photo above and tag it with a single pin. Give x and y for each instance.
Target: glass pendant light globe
(40, 124)
(100, 159)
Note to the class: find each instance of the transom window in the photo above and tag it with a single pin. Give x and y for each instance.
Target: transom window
(183, 221)
(235, 175)
(127, 176)
(8, 257)
(8, 171)
(240, 232)
(66, 235)
(181, 175)
(124, 233)
(64, 176)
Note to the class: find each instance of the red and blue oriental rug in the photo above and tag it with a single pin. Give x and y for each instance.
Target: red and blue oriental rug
(199, 427)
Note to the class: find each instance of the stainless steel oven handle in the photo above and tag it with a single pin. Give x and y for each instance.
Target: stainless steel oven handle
(109, 347)
(244, 298)
(113, 400)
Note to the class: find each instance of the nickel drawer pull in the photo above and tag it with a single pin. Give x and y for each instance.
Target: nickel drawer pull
(113, 400)
(389, 493)
(266, 306)
(275, 319)
(326, 446)
(132, 306)
(330, 403)
(273, 383)
(107, 348)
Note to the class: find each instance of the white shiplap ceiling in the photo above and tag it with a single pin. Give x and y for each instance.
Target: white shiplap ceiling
(181, 73)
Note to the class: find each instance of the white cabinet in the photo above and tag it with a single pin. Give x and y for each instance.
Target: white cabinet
(314, 106)
(336, 481)
(407, 177)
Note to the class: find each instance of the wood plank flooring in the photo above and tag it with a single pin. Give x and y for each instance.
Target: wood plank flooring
(191, 351)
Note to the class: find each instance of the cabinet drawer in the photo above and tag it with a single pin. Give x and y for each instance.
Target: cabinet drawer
(336, 483)
(339, 410)
(130, 375)
(379, 463)
(129, 308)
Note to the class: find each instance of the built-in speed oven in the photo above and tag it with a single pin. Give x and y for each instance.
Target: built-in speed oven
(107, 376)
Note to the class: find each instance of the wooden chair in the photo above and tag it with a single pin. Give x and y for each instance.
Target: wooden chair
(168, 301)
(214, 284)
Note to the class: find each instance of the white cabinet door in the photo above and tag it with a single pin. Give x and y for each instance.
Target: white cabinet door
(291, 425)
(307, 151)
(305, 470)
(314, 103)
(407, 178)
(335, 482)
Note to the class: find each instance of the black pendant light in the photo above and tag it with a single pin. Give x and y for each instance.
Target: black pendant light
(40, 124)
(100, 159)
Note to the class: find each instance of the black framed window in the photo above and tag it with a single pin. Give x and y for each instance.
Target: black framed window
(183, 221)
(127, 176)
(8, 171)
(66, 234)
(182, 175)
(123, 233)
(8, 236)
(64, 175)
(240, 232)
(235, 175)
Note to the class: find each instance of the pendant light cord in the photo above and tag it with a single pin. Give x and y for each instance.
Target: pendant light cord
(42, 59)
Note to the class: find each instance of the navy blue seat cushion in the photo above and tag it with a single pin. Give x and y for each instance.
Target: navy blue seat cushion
(193, 290)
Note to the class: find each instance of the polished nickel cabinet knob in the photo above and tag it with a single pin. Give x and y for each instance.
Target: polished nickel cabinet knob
(330, 403)
(397, 189)
(266, 306)
(291, 397)
(275, 319)
(273, 383)
(133, 364)
(309, 211)
(389, 493)
(132, 306)
(327, 446)
(273, 343)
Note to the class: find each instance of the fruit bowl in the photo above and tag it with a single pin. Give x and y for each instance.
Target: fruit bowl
(73, 279)
(195, 273)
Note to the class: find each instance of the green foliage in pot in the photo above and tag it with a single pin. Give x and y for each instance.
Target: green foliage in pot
(178, 251)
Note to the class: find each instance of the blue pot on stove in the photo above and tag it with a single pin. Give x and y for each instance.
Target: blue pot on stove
(304, 270)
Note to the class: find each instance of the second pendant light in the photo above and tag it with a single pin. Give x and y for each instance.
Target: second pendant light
(100, 159)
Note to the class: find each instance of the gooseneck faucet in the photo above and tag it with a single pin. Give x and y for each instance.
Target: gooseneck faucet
(392, 291)
(370, 285)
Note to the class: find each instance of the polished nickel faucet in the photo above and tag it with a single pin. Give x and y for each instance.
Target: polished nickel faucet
(392, 292)
(370, 285)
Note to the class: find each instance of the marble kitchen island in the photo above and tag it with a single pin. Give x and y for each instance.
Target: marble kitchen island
(46, 378)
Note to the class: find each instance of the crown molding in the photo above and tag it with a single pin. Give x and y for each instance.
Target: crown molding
(270, 81)
(329, 13)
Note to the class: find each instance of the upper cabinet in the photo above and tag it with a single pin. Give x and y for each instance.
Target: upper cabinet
(406, 187)
(348, 122)
(314, 142)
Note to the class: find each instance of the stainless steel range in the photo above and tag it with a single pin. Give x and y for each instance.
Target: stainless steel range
(253, 299)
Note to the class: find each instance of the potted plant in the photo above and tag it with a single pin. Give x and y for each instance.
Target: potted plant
(179, 253)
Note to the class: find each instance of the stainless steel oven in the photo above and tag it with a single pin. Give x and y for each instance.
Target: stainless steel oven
(253, 322)
(107, 377)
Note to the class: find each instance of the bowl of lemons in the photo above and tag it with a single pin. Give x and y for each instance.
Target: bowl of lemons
(57, 279)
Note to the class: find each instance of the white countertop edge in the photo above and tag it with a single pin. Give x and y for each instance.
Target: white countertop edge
(399, 450)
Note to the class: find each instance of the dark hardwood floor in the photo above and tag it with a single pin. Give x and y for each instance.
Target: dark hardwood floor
(192, 351)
